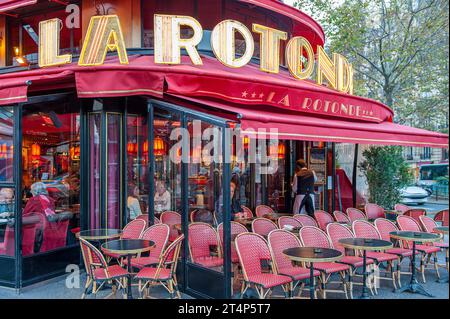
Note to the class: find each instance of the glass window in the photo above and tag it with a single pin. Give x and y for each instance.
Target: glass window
(51, 173)
(94, 169)
(6, 144)
(137, 154)
(167, 154)
(276, 185)
(205, 194)
(114, 169)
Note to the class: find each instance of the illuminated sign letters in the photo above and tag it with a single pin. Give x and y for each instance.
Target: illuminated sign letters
(104, 33)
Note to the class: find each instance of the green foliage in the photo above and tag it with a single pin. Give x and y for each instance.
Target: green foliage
(399, 50)
(387, 173)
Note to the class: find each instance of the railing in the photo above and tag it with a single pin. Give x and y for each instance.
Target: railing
(440, 191)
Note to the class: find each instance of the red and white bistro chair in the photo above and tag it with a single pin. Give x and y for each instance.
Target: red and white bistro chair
(341, 217)
(164, 274)
(315, 237)
(202, 237)
(337, 232)
(236, 229)
(364, 229)
(323, 219)
(355, 214)
(428, 252)
(98, 271)
(263, 226)
(374, 211)
(159, 234)
(415, 213)
(442, 217)
(280, 240)
(132, 230)
(385, 227)
(288, 221)
(428, 225)
(247, 212)
(252, 249)
(306, 220)
(171, 219)
(263, 210)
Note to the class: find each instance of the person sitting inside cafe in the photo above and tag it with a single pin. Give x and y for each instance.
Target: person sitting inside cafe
(162, 198)
(41, 202)
(6, 202)
(235, 206)
(134, 208)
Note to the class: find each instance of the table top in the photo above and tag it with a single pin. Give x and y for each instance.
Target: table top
(312, 254)
(128, 246)
(441, 229)
(415, 236)
(100, 234)
(396, 212)
(365, 243)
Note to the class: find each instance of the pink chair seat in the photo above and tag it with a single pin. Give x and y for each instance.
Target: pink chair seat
(330, 268)
(114, 272)
(380, 256)
(141, 262)
(354, 261)
(150, 273)
(211, 261)
(269, 280)
(297, 273)
(400, 252)
(427, 249)
(441, 245)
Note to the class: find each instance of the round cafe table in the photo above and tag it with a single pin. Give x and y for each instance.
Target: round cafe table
(415, 237)
(365, 244)
(129, 248)
(100, 234)
(444, 231)
(312, 255)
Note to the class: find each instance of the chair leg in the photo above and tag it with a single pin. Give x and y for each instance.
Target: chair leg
(436, 265)
(422, 268)
(350, 282)
(323, 285)
(375, 278)
(86, 287)
(393, 273)
(344, 284)
(399, 272)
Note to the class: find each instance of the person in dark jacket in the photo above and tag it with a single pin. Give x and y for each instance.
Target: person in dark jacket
(303, 186)
(235, 206)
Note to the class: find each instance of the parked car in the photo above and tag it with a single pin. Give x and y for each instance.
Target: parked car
(414, 195)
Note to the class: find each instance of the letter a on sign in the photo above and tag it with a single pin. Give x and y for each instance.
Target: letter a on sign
(104, 33)
(49, 44)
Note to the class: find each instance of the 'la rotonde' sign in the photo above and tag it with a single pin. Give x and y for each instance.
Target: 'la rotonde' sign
(104, 33)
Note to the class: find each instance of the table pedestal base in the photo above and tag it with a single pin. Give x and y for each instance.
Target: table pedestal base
(443, 280)
(415, 288)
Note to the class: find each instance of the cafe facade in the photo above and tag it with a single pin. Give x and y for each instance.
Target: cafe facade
(91, 93)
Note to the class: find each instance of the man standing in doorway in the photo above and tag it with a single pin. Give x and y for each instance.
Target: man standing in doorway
(303, 186)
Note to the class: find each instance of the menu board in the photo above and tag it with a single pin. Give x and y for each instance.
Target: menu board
(318, 163)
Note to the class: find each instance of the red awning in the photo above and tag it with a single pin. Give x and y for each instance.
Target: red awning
(6, 5)
(266, 122)
(298, 109)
